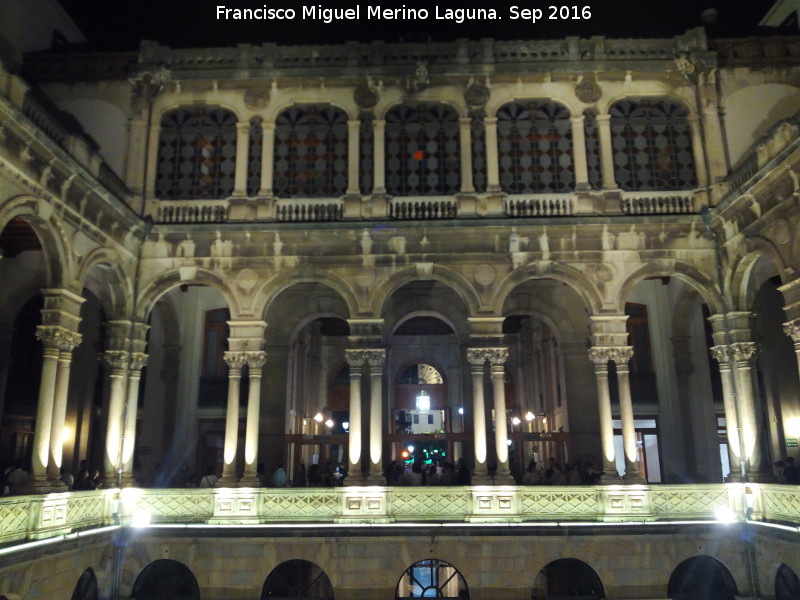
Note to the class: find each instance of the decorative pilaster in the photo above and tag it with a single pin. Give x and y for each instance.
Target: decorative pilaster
(255, 363)
(379, 168)
(138, 361)
(621, 357)
(600, 357)
(697, 149)
(353, 139)
(355, 359)
(579, 153)
(497, 358)
(606, 151)
(117, 360)
(720, 354)
(267, 152)
(66, 344)
(51, 338)
(235, 362)
(465, 141)
(492, 160)
(375, 359)
(242, 148)
(792, 329)
(477, 360)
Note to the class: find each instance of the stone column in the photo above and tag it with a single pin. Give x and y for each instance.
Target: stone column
(600, 357)
(606, 151)
(235, 362)
(492, 160)
(152, 160)
(267, 152)
(579, 153)
(242, 148)
(477, 360)
(137, 363)
(497, 358)
(379, 156)
(697, 149)
(51, 337)
(465, 141)
(255, 362)
(375, 359)
(621, 357)
(118, 361)
(355, 360)
(684, 367)
(720, 354)
(792, 329)
(743, 354)
(353, 135)
(67, 343)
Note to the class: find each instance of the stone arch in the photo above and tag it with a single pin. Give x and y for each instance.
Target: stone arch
(557, 319)
(751, 271)
(117, 293)
(176, 104)
(86, 588)
(158, 287)
(605, 107)
(297, 578)
(701, 578)
(787, 584)
(496, 101)
(567, 577)
(166, 579)
(433, 575)
(553, 270)
(39, 214)
(687, 272)
(780, 100)
(445, 275)
(265, 296)
(460, 110)
(421, 313)
(272, 113)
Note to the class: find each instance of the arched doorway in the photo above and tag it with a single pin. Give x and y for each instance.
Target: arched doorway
(432, 578)
(701, 578)
(86, 588)
(567, 578)
(787, 584)
(166, 579)
(297, 579)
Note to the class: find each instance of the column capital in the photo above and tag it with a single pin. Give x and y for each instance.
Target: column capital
(353, 124)
(256, 359)
(116, 359)
(243, 126)
(490, 120)
(604, 118)
(234, 360)
(743, 351)
(375, 357)
(138, 361)
(720, 354)
(497, 357)
(602, 354)
(354, 357)
(55, 336)
(792, 329)
(476, 357)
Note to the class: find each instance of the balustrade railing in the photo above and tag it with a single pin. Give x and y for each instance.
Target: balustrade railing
(310, 210)
(193, 211)
(658, 203)
(405, 209)
(50, 515)
(547, 206)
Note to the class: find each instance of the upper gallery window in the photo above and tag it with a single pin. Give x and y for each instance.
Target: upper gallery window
(652, 142)
(310, 152)
(534, 144)
(422, 150)
(196, 154)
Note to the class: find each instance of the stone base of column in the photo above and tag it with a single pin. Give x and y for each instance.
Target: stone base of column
(37, 486)
(251, 481)
(503, 479)
(56, 485)
(228, 481)
(760, 477)
(481, 477)
(128, 481)
(633, 479)
(375, 479)
(610, 478)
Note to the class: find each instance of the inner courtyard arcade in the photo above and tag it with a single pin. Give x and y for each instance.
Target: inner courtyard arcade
(338, 258)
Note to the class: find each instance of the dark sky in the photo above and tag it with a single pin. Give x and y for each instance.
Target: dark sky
(121, 24)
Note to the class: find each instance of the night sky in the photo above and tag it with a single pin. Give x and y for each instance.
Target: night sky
(121, 24)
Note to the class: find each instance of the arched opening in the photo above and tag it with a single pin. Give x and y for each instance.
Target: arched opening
(701, 578)
(432, 578)
(297, 579)
(567, 578)
(787, 584)
(166, 579)
(86, 588)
